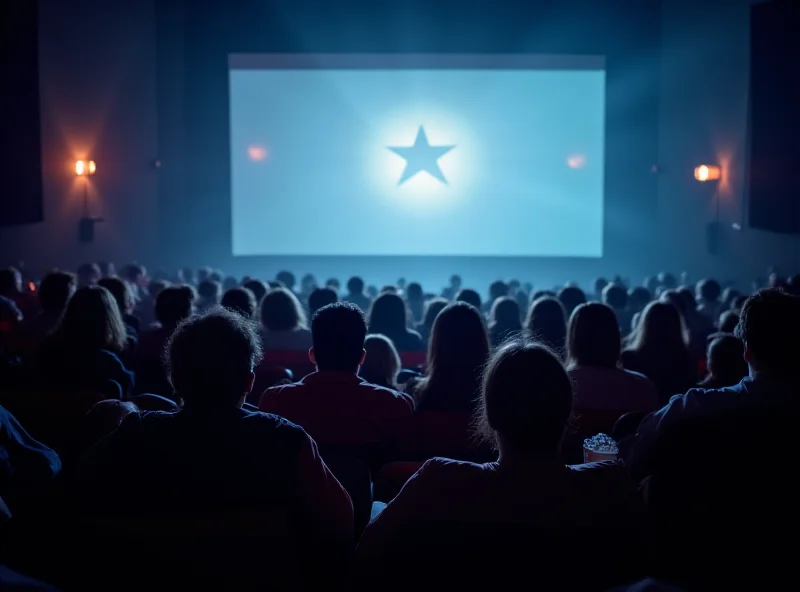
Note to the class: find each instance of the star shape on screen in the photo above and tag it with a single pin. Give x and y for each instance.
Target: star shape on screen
(421, 157)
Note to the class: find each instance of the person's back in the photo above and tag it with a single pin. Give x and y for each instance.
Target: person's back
(334, 404)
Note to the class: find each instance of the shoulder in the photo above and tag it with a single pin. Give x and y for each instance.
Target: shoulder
(629, 355)
(636, 378)
(386, 394)
(448, 469)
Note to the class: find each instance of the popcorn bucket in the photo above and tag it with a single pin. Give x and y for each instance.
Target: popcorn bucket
(599, 448)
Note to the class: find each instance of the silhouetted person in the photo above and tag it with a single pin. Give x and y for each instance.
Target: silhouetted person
(382, 362)
(258, 288)
(547, 323)
(432, 310)
(571, 297)
(55, 290)
(388, 316)
(283, 322)
(355, 294)
(726, 363)
(240, 300)
(320, 297)
(416, 301)
(504, 320)
(470, 296)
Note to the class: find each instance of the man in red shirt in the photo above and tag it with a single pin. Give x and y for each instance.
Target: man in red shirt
(334, 405)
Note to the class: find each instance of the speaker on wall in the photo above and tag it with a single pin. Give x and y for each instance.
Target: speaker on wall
(774, 186)
(20, 142)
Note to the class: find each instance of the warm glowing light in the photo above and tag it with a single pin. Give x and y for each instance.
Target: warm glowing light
(576, 161)
(706, 172)
(256, 153)
(85, 167)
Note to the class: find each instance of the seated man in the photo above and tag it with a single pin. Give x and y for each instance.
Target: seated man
(334, 404)
(213, 457)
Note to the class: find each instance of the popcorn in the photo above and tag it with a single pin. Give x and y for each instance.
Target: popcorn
(601, 443)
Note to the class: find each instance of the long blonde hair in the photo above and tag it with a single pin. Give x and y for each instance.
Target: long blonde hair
(382, 363)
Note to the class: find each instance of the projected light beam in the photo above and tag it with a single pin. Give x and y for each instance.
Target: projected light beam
(421, 157)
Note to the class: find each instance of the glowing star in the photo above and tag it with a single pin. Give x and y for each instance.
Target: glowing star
(421, 157)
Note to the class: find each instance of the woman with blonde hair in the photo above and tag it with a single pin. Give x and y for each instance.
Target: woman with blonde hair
(382, 362)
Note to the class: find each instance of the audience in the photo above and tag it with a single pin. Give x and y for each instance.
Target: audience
(593, 361)
(726, 364)
(335, 405)
(616, 297)
(547, 323)
(451, 291)
(708, 294)
(355, 294)
(382, 362)
(415, 299)
(505, 320)
(320, 297)
(240, 300)
(571, 297)
(388, 316)
(457, 354)
(55, 290)
(469, 296)
(208, 295)
(525, 404)
(658, 349)
(258, 288)
(122, 293)
(88, 274)
(498, 289)
(283, 323)
(728, 321)
(82, 353)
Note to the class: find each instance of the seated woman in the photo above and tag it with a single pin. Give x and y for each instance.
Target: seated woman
(82, 354)
(388, 316)
(593, 351)
(521, 514)
(659, 349)
(283, 322)
(382, 362)
(505, 320)
(547, 323)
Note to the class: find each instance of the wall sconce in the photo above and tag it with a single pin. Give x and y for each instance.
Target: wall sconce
(707, 172)
(85, 167)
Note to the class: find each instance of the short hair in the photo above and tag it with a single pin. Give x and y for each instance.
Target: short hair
(355, 285)
(728, 321)
(382, 363)
(470, 296)
(120, 290)
(210, 357)
(571, 297)
(333, 283)
(240, 300)
(526, 399)
(599, 285)
(282, 311)
(738, 302)
(414, 291)
(286, 278)
(455, 280)
(769, 326)
(229, 283)
(615, 296)
(320, 297)
(726, 358)
(208, 289)
(593, 337)
(55, 290)
(174, 304)
(709, 289)
(338, 332)
(258, 288)
(132, 272)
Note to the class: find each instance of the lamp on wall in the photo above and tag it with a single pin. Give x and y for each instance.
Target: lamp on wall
(707, 172)
(86, 168)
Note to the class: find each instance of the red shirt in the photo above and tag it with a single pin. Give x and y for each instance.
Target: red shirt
(341, 409)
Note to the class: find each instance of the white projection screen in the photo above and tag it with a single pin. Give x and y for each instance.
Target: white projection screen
(417, 155)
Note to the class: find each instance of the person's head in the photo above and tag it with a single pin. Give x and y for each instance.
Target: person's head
(88, 274)
(505, 313)
(211, 359)
(615, 296)
(134, 273)
(401, 283)
(526, 401)
(470, 296)
(154, 287)
(287, 279)
(240, 300)
(186, 275)
(688, 301)
(593, 337)
(728, 321)
(725, 357)
(738, 302)
(320, 297)
(667, 281)
(708, 290)
(91, 321)
(414, 292)
(258, 288)
(333, 284)
(203, 274)
(282, 311)
(600, 284)
(660, 329)
(174, 304)
(382, 362)
(769, 327)
(121, 291)
(543, 294)
(457, 353)
(372, 292)
(307, 283)
(455, 282)
(107, 268)
(388, 315)
(638, 298)
(355, 285)
(338, 332)
(209, 291)
(229, 283)
(55, 290)
(571, 297)
(728, 294)
(497, 289)
(389, 289)
(547, 322)
(432, 310)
